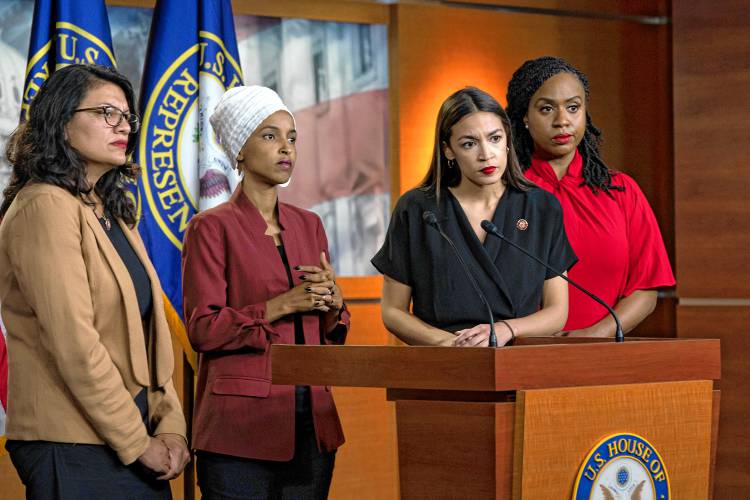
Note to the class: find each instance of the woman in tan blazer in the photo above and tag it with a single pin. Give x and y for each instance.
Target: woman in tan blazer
(92, 411)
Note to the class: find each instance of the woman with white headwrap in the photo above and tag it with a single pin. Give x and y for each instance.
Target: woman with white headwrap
(256, 272)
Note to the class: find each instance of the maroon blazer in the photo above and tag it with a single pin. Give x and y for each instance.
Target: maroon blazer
(230, 269)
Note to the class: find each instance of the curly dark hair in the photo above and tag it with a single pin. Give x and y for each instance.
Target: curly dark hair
(39, 152)
(458, 105)
(525, 82)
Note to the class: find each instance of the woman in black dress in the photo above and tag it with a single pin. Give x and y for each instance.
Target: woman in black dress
(474, 175)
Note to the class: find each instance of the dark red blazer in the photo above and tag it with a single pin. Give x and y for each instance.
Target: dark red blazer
(230, 269)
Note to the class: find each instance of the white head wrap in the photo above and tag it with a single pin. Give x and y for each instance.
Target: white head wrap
(239, 112)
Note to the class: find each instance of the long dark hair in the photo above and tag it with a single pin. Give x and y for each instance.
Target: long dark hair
(525, 82)
(461, 103)
(39, 152)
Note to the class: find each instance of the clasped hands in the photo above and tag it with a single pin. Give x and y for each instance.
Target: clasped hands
(166, 455)
(479, 336)
(317, 292)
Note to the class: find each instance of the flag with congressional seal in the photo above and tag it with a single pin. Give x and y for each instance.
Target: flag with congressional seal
(65, 32)
(191, 60)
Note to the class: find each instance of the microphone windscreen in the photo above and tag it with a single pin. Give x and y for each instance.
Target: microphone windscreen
(429, 217)
(488, 226)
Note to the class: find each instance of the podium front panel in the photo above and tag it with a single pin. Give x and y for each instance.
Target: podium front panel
(557, 430)
(450, 449)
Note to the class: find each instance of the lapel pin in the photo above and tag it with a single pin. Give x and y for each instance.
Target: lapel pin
(522, 224)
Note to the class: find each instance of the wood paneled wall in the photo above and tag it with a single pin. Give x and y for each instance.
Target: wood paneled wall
(11, 487)
(732, 474)
(590, 8)
(712, 220)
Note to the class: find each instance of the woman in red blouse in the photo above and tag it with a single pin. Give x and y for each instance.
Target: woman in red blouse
(256, 273)
(607, 218)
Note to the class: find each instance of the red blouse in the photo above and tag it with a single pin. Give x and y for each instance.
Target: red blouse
(616, 239)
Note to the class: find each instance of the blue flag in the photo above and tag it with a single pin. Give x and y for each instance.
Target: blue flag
(192, 59)
(65, 32)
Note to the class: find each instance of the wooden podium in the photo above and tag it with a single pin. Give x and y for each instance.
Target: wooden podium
(518, 422)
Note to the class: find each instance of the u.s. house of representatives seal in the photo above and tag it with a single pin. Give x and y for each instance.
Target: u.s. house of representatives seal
(172, 124)
(622, 467)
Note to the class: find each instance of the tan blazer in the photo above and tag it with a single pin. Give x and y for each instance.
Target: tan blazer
(77, 350)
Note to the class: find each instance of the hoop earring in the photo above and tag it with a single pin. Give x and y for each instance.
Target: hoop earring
(451, 164)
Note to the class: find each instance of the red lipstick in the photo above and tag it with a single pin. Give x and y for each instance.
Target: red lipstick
(488, 170)
(120, 144)
(562, 138)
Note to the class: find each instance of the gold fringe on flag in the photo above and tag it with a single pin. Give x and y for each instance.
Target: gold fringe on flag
(177, 327)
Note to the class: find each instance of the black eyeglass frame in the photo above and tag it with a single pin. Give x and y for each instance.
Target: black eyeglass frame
(134, 125)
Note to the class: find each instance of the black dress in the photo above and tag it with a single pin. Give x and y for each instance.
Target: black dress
(416, 255)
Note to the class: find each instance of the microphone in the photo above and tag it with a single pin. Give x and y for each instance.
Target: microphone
(493, 230)
(429, 217)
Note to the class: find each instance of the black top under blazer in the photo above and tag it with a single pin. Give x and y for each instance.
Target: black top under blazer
(416, 255)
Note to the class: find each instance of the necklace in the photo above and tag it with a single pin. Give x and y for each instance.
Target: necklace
(107, 223)
(104, 220)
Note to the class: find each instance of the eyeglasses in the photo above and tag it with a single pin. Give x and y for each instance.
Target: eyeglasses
(114, 116)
